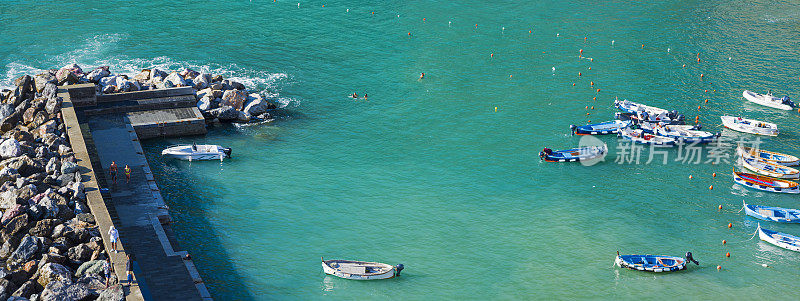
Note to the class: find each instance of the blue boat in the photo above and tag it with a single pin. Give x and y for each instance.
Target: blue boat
(573, 155)
(775, 214)
(783, 240)
(603, 128)
(653, 263)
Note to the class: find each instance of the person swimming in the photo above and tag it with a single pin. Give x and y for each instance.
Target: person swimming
(354, 95)
(365, 95)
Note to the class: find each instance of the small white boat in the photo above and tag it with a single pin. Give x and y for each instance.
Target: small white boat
(768, 100)
(647, 113)
(751, 126)
(681, 133)
(639, 136)
(775, 214)
(360, 270)
(774, 157)
(770, 169)
(194, 152)
(649, 127)
(783, 240)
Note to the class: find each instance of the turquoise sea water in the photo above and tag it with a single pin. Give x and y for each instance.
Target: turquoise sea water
(427, 172)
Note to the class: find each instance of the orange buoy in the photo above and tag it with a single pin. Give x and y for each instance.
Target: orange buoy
(323, 5)
(587, 107)
(598, 90)
(591, 83)
(573, 84)
(373, 13)
(684, 65)
(714, 175)
(529, 31)
(698, 60)
(587, 114)
(591, 59)
(706, 100)
(711, 187)
(594, 98)
(423, 19)
(581, 51)
(409, 34)
(698, 107)
(590, 68)
(592, 107)
(728, 254)
(642, 46)
(579, 74)
(590, 121)
(724, 241)
(701, 75)
(719, 268)
(510, 75)
(491, 54)
(730, 225)
(705, 91)
(584, 38)
(476, 25)
(720, 207)
(691, 177)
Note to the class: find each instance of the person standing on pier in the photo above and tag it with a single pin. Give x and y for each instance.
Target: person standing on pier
(113, 171)
(127, 174)
(107, 270)
(129, 269)
(114, 235)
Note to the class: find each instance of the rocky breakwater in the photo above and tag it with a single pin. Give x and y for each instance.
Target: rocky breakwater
(217, 98)
(51, 248)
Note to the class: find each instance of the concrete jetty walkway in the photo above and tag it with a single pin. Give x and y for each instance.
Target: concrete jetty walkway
(136, 208)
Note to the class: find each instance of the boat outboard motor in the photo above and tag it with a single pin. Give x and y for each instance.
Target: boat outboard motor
(785, 100)
(690, 258)
(541, 156)
(398, 269)
(572, 129)
(698, 127)
(227, 151)
(679, 117)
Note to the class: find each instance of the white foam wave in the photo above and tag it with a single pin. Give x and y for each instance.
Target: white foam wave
(101, 50)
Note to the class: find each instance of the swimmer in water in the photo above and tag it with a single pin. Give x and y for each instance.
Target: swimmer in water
(365, 95)
(354, 95)
(422, 75)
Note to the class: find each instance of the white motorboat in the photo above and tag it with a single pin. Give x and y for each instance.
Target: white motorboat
(641, 112)
(360, 270)
(751, 126)
(768, 100)
(194, 152)
(681, 133)
(639, 136)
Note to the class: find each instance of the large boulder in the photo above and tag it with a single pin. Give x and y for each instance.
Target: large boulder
(68, 167)
(208, 102)
(10, 148)
(8, 199)
(24, 165)
(44, 228)
(94, 267)
(8, 174)
(53, 105)
(256, 105)
(65, 291)
(53, 272)
(50, 90)
(12, 213)
(175, 79)
(142, 76)
(42, 79)
(80, 252)
(98, 73)
(201, 81)
(53, 166)
(225, 113)
(109, 81)
(26, 249)
(69, 74)
(113, 293)
(157, 75)
(6, 110)
(234, 98)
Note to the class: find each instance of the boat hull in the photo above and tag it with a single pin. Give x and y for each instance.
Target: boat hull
(605, 128)
(650, 139)
(735, 124)
(770, 169)
(576, 154)
(331, 271)
(778, 158)
(627, 261)
(197, 152)
(766, 100)
(764, 183)
(786, 241)
(790, 216)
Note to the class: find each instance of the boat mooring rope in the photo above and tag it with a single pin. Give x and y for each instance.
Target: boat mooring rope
(749, 239)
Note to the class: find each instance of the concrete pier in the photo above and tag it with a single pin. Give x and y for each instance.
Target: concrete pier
(103, 129)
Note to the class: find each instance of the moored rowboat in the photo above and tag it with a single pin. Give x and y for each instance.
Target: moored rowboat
(193, 152)
(775, 214)
(751, 126)
(768, 100)
(783, 240)
(360, 270)
(782, 159)
(573, 155)
(765, 183)
(653, 263)
(639, 136)
(770, 169)
(603, 128)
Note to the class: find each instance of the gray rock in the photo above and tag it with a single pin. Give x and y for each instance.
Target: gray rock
(175, 79)
(53, 166)
(156, 73)
(80, 252)
(10, 148)
(51, 272)
(65, 291)
(6, 289)
(68, 167)
(242, 117)
(94, 267)
(8, 217)
(202, 81)
(42, 79)
(25, 290)
(44, 228)
(8, 199)
(108, 81)
(256, 105)
(53, 105)
(225, 113)
(113, 293)
(49, 206)
(86, 218)
(8, 174)
(6, 250)
(234, 98)
(27, 248)
(65, 179)
(50, 90)
(207, 103)
(98, 73)
(49, 127)
(6, 110)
